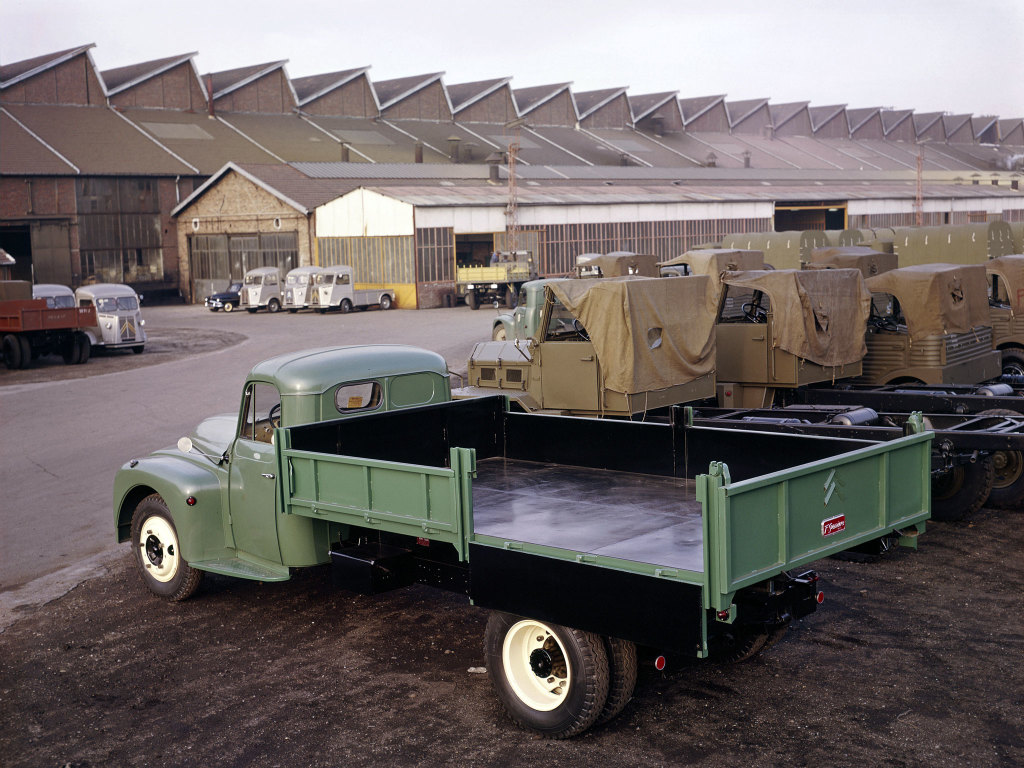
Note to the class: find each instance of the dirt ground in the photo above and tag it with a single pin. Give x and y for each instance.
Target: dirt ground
(162, 345)
(911, 661)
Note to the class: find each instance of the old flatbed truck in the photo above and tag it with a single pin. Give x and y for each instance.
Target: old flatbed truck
(586, 537)
(30, 328)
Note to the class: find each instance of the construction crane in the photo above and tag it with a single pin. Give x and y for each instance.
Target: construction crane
(512, 206)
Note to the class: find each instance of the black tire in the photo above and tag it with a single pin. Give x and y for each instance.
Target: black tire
(510, 298)
(738, 645)
(385, 302)
(70, 351)
(252, 310)
(26, 351)
(346, 306)
(1013, 361)
(138, 349)
(273, 306)
(292, 310)
(229, 307)
(472, 301)
(155, 544)
(526, 661)
(963, 490)
(84, 348)
(213, 309)
(622, 672)
(1008, 469)
(12, 351)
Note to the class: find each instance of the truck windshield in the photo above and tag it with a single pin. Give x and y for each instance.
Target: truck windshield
(325, 279)
(253, 279)
(59, 302)
(119, 303)
(298, 279)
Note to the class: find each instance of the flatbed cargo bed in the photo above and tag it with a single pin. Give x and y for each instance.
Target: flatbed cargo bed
(632, 516)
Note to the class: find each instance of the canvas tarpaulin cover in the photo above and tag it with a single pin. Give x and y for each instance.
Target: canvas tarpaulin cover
(937, 298)
(819, 315)
(713, 262)
(1010, 270)
(648, 333)
(869, 261)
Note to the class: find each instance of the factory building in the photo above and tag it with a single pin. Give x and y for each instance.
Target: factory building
(175, 181)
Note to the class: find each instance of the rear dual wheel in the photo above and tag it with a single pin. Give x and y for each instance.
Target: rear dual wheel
(1008, 468)
(17, 351)
(962, 490)
(556, 681)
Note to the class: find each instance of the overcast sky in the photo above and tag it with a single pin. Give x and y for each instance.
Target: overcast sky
(958, 56)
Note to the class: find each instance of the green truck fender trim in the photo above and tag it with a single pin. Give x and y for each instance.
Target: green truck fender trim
(203, 530)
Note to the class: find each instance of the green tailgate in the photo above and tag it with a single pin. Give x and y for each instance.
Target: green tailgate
(756, 528)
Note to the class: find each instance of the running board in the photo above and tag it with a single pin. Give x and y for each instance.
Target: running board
(243, 569)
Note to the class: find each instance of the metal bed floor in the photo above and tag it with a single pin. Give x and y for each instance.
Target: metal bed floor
(644, 518)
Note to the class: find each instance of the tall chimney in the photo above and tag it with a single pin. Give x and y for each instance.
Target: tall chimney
(344, 152)
(209, 92)
(417, 150)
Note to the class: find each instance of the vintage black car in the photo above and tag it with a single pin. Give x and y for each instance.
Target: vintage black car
(227, 300)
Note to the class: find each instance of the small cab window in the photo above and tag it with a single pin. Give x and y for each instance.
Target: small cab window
(361, 396)
(262, 412)
(271, 280)
(412, 389)
(343, 279)
(327, 279)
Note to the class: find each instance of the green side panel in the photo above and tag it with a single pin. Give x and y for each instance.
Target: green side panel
(400, 498)
(759, 527)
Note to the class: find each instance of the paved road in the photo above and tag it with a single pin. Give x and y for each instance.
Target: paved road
(63, 437)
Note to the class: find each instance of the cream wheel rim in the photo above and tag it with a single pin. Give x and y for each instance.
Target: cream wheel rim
(158, 547)
(536, 665)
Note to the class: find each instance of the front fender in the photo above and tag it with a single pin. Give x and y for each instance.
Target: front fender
(203, 529)
(506, 322)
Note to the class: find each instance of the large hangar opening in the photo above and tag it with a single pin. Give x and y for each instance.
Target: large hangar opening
(791, 217)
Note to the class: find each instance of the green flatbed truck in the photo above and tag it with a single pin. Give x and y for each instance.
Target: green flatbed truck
(584, 551)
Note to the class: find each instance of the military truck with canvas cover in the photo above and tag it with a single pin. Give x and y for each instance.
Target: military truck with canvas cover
(586, 537)
(616, 264)
(1006, 310)
(712, 262)
(780, 329)
(605, 347)
(935, 329)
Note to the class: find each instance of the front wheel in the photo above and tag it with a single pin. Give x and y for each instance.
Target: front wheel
(499, 333)
(963, 490)
(273, 305)
(385, 302)
(472, 301)
(346, 306)
(157, 552)
(552, 680)
(139, 349)
(1013, 362)
(229, 307)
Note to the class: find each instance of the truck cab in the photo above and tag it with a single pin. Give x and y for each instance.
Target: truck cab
(1006, 309)
(57, 296)
(933, 327)
(119, 323)
(602, 347)
(523, 321)
(781, 329)
(213, 503)
(261, 287)
(299, 286)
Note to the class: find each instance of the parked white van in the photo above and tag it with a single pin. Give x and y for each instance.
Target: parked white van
(334, 291)
(119, 321)
(299, 285)
(261, 287)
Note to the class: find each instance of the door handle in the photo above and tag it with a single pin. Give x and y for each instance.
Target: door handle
(267, 475)
(588, 359)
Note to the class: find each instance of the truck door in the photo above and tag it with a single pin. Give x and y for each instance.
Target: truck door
(253, 489)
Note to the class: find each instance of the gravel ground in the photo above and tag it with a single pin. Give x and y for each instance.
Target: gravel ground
(911, 661)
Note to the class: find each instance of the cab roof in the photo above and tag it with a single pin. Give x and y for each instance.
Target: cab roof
(105, 290)
(312, 371)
